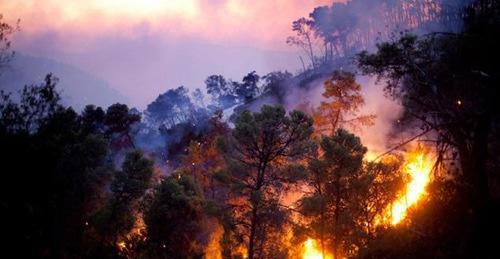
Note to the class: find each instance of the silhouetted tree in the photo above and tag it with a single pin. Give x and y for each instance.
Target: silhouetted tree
(334, 24)
(277, 84)
(304, 39)
(174, 219)
(171, 108)
(119, 121)
(260, 144)
(61, 166)
(221, 90)
(116, 219)
(36, 105)
(93, 119)
(447, 84)
(6, 31)
(248, 89)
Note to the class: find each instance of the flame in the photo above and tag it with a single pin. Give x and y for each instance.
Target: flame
(122, 245)
(213, 250)
(418, 167)
(312, 251)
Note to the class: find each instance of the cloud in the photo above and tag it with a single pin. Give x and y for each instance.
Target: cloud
(261, 22)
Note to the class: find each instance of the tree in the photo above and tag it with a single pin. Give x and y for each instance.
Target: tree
(6, 30)
(248, 89)
(221, 90)
(61, 166)
(203, 158)
(331, 178)
(376, 186)
(93, 119)
(260, 145)
(171, 108)
(199, 98)
(36, 105)
(277, 84)
(174, 220)
(116, 219)
(118, 121)
(304, 39)
(334, 24)
(343, 100)
(447, 84)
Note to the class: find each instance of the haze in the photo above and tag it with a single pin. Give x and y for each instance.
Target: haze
(143, 47)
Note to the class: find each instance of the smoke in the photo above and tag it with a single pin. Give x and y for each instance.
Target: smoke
(377, 137)
(357, 25)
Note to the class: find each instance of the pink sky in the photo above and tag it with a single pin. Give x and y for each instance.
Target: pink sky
(160, 44)
(264, 23)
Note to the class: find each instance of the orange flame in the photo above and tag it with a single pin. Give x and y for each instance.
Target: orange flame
(122, 245)
(213, 250)
(312, 251)
(418, 167)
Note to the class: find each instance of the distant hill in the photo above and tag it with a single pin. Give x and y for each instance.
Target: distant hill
(78, 88)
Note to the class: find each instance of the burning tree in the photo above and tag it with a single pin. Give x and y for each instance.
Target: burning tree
(116, 219)
(261, 145)
(331, 177)
(371, 191)
(343, 100)
(448, 86)
(203, 158)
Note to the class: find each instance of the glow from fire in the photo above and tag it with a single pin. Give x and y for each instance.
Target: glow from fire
(312, 251)
(418, 166)
(145, 8)
(213, 249)
(122, 245)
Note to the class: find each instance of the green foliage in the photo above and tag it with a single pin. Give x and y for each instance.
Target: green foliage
(134, 179)
(118, 121)
(93, 119)
(113, 221)
(175, 218)
(258, 154)
(448, 85)
(331, 175)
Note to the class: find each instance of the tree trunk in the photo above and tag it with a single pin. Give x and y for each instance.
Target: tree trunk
(336, 219)
(473, 164)
(253, 228)
(480, 191)
(255, 207)
(322, 225)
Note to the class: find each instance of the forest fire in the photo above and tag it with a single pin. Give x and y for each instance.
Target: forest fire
(312, 251)
(381, 143)
(418, 167)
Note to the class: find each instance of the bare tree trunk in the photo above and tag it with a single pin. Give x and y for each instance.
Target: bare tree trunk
(311, 52)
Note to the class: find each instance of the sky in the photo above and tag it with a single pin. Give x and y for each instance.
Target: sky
(144, 47)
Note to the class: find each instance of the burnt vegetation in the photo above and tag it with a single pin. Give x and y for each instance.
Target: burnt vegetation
(252, 171)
